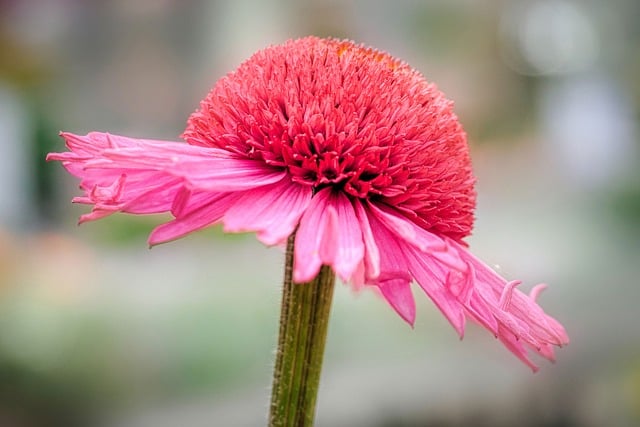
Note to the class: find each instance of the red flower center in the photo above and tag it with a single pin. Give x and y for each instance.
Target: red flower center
(335, 113)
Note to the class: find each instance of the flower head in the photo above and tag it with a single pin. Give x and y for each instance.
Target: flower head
(345, 144)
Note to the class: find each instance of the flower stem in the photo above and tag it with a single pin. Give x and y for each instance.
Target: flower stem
(303, 330)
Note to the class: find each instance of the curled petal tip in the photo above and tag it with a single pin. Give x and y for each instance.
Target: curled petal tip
(536, 291)
(507, 292)
(86, 218)
(397, 292)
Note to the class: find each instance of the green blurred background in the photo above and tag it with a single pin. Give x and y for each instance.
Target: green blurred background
(97, 330)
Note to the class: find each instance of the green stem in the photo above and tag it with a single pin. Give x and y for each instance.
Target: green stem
(303, 330)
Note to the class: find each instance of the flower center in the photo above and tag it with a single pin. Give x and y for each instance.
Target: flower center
(334, 113)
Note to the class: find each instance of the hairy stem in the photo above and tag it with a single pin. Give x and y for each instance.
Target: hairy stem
(303, 330)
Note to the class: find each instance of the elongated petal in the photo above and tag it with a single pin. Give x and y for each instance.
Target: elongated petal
(394, 279)
(416, 236)
(460, 285)
(141, 176)
(203, 168)
(398, 294)
(402, 257)
(431, 283)
(516, 347)
(203, 210)
(406, 229)
(98, 158)
(271, 210)
(349, 251)
(313, 226)
(371, 261)
(115, 190)
(492, 287)
(330, 234)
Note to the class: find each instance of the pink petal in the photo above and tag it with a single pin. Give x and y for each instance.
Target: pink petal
(394, 279)
(371, 252)
(204, 168)
(313, 225)
(416, 236)
(536, 291)
(140, 176)
(406, 229)
(518, 314)
(398, 294)
(358, 280)
(421, 267)
(197, 212)
(136, 193)
(515, 347)
(328, 245)
(464, 286)
(329, 234)
(349, 251)
(458, 283)
(114, 190)
(402, 257)
(393, 263)
(271, 210)
(98, 155)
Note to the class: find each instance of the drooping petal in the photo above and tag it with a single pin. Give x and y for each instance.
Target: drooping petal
(421, 267)
(522, 323)
(313, 226)
(135, 193)
(491, 286)
(328, 244)
(203, 168)
(464, 285)
(417, 236)
(394, 278)
(461, 285)
(516, 347)
(371, 260)
(350, 247)
(271, 210)
(98, 158)
(406, 229)
(398, 294)
(196, 211)
(397, 236)
(329, 233)
(141, 176)
(537, 290)
(393, 263)
(115, 190)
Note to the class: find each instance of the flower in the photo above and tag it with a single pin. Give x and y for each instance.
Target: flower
(346, 146)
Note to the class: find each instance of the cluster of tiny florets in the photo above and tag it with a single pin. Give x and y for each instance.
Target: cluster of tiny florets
(333, 113)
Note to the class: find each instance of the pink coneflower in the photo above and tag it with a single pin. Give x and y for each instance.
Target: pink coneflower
(349, 148)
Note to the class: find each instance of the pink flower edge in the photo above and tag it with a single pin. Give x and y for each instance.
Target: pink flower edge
(367, 243)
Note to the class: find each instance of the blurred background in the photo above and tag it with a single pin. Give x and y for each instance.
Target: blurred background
(97, 330)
